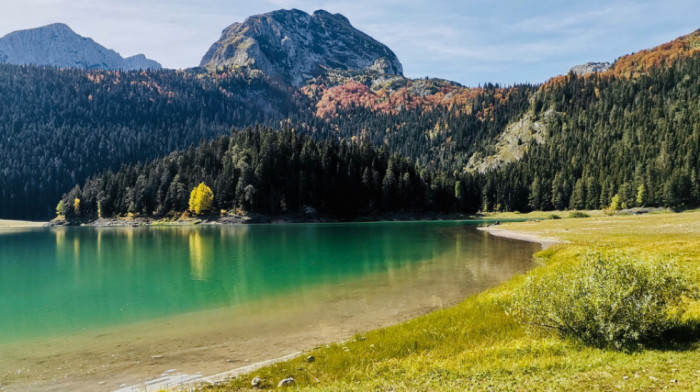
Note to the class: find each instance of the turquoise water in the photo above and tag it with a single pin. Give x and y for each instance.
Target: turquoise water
(66, 280)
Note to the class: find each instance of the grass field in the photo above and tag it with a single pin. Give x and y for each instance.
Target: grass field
(477, 346)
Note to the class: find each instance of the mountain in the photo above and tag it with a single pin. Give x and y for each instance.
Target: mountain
(59, 46)
(293, 46)
(573, 138)
(139, 61)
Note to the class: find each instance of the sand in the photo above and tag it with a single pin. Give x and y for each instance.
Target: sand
(18, 224)
(546, 242)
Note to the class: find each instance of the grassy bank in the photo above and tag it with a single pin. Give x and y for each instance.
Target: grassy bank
(477, 346)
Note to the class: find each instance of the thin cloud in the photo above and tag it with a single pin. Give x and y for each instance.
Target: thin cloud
(467, 41)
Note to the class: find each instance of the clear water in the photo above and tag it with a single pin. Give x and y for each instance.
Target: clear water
(69, 296)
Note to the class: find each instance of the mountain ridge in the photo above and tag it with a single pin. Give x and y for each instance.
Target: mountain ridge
(58, 45)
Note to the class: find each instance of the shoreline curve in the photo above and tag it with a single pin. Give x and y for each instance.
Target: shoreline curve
(546, 242)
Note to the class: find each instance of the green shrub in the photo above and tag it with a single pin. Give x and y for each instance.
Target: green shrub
(607, 300)
(578, 214)
(553, 216)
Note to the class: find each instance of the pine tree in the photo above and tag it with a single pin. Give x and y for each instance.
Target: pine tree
(578, 196)
(535, 197)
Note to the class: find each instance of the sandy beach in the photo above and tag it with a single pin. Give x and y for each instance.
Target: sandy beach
(546, 242)
(20, 224)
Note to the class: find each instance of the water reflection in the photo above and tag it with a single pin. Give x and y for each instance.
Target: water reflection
(200, 254)
(68, 279)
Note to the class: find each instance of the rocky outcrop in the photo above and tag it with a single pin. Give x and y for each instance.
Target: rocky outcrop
(57, 45)
(585, 69)
(293, 46)
(513, 143)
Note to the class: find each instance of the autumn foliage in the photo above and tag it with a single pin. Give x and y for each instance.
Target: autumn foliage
(334, 100)
(201, 199)
(636, 64)
(640, 63)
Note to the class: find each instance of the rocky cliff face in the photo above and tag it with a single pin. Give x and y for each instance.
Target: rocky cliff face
(585, 69)
(57, 45)
(293, 46)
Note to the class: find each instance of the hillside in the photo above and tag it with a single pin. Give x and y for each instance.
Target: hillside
(635, 140)
(644, 61)
(61, 126)
(587, 142)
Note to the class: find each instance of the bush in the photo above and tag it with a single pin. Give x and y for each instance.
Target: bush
(578, 214)
(607, 300)
(553, 216)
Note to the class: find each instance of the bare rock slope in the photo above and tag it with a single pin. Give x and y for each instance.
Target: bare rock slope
(590, 67)
(293, 46)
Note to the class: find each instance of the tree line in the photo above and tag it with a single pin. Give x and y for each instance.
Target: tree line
(265, 171)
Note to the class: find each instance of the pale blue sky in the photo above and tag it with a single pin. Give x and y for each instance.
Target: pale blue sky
(470, 42)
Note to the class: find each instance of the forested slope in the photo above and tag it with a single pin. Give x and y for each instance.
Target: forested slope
(58, 126)
(638, 138)
(612, 141)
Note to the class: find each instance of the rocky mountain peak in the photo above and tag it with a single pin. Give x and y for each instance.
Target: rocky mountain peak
(293, 46)
(590, 67)
(59, 46)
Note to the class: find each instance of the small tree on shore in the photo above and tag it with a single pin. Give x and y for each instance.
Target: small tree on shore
(201, 199)
(61, 209)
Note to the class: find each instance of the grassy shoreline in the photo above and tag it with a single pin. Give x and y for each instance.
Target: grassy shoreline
(477, 346)
(255, 218)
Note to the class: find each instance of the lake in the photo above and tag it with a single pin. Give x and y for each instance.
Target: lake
(85, 308)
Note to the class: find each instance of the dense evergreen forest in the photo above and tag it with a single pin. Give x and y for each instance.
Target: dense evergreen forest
(636, 138)
(266, 171)
(59, 126)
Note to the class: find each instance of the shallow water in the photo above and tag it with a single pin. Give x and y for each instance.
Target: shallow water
(96, 308)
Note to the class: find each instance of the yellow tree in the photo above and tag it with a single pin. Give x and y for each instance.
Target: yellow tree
(201, 199)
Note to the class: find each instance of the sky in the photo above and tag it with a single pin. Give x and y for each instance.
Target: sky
(470, 42)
